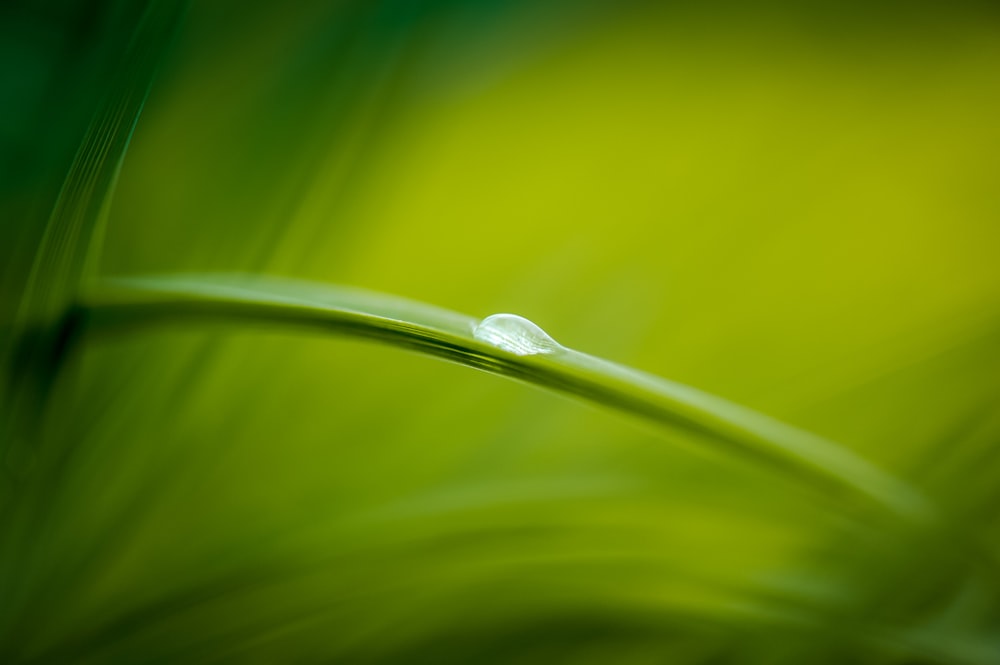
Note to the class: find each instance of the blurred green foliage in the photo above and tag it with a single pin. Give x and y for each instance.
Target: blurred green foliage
(793, 207)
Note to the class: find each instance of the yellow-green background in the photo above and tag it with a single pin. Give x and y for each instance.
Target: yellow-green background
(796, 208)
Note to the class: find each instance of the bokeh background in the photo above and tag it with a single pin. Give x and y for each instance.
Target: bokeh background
(793, 207)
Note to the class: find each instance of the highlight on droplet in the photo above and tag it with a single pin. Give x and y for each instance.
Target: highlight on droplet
(515, 334)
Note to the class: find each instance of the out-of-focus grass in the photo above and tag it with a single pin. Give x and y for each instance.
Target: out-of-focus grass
(792, 208)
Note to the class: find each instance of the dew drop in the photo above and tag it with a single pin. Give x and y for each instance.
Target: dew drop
(515, 334)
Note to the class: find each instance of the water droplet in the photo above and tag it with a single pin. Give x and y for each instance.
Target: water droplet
(516, 334)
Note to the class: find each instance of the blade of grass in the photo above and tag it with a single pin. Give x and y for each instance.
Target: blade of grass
(32, 345)
(68, 249)
(121, 303)
(73, 235)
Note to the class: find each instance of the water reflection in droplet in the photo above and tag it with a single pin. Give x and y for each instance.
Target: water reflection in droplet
(515, 334)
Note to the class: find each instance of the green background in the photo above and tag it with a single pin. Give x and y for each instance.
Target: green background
(795, 208)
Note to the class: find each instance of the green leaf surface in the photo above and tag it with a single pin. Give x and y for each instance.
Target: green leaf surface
(240, 300)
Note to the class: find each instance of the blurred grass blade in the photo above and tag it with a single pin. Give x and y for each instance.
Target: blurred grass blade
(75, 225)
(118, 303)
(29, 349)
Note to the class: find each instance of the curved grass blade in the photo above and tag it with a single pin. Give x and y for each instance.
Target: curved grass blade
(122, 303)
(30, 348)
(72, 235)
